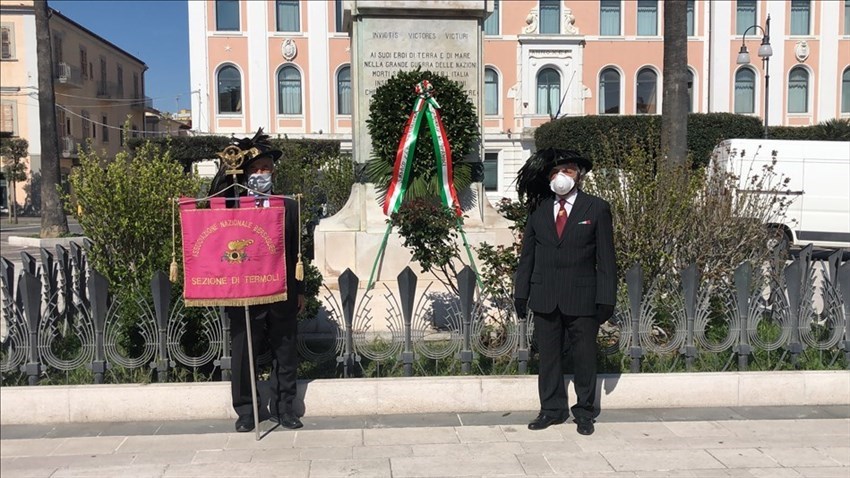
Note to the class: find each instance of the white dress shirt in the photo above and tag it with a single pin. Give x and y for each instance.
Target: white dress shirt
(571, 198)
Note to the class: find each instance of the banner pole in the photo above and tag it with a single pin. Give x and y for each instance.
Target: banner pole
(253, 374)
(379, 256)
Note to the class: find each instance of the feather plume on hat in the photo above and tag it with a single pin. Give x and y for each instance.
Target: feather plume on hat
(533, 177)
(252, 149)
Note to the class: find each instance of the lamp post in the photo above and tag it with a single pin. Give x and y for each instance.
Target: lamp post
(765, 52)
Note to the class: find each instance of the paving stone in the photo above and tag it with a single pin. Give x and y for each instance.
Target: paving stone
(841, 454)
(774, 473)
(448, 450)
(823, 472)
(328, 438)
(535, 464)
(88, 445)
(130, 428)
(293, 469)
(64, 461)
(436, 466)
(783, 412)
(418, 420)
(326, 453)
(376, 467)
(74, 430)
(628, 431)
(660, 460)
(17, 432)
(273, 455)
(162, 458)
(157, 443)
(480, 434)
(409, 436)
(274, 440)
(566, 446)
(698, 414)
(795, 428)
(582, 462)
(381, 451)
(29, 473)
(697, 429)
(733, 473)
(29, 447)
(130, 471)
(743, 458)
(523, 434)
(837, 411)
(222, 456)
(800, 456)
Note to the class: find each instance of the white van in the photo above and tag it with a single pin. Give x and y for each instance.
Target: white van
(819, 185)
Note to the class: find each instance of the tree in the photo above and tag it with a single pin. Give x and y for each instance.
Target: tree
(53, 220)
(674, 108)
(13, 150)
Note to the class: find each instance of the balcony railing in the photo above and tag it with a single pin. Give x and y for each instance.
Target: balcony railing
(68, 75)
(142, 103)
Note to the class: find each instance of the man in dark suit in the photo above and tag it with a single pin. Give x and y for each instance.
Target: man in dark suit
(276, 322)
(567, 275)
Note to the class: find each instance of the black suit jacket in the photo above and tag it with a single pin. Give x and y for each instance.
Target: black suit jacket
(574, 272)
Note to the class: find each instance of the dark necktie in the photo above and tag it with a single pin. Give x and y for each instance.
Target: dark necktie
(561, 220)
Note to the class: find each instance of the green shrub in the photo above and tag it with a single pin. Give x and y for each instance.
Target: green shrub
(127, 211)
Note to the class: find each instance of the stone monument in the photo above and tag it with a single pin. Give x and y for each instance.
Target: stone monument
(444, 36)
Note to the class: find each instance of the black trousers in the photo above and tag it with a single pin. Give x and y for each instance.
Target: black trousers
(280, 331)
(581, 331)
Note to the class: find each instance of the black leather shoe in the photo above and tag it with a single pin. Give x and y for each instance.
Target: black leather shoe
(544, 421)
(287, 420)
(584, 426)
(245, 423)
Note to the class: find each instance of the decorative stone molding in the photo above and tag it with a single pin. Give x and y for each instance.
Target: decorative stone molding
(288, 50)
(531, 21)
(801, 51)
(549, 54)
(568, 21)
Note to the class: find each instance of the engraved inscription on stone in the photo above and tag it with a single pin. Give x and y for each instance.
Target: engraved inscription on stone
(447, 47)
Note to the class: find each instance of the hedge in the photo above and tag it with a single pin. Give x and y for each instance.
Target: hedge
(592, 134)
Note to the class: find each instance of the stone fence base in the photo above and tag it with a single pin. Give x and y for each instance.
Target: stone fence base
(336, 397)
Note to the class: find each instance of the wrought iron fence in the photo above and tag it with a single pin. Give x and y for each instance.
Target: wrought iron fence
(59, 314)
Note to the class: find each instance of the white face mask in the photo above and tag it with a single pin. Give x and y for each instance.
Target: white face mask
(261, 182)
(562, 184)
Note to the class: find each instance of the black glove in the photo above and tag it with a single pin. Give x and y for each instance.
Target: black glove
(604, 312)
(521, 306)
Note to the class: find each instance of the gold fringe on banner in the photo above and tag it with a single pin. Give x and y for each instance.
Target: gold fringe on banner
(299, 266)
(269, 299)
(172, 271)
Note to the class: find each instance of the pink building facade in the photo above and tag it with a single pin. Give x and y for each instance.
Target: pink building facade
(285, 66)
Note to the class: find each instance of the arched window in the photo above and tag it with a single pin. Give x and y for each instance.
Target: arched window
(845, 88)
(609, 92)
(745, 91)
(690, 91)
(548, 92)
(289, 91)
(798, 90)
(645, 101)
(229, 90)
(343, 91)
(491, 92)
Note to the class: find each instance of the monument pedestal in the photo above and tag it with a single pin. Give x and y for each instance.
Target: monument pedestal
(351, 239)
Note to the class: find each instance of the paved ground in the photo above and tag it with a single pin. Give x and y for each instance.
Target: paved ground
(717, 442)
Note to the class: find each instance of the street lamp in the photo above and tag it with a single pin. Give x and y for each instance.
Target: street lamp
(765, 52)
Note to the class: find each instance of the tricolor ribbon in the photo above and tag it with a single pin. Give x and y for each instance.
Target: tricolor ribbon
(428, 107)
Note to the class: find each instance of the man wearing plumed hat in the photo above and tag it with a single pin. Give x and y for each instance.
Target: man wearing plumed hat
(567, 276)
(277, 321)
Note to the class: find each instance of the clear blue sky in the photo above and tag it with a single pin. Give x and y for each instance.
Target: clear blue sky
(154, 31)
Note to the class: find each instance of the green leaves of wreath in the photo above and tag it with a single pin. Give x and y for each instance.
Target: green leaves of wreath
(391, 105)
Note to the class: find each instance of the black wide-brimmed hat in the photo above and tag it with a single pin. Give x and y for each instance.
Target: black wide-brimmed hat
(250, 150)
(533, 177)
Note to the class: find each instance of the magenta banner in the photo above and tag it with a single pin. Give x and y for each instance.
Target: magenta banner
(233, 256)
